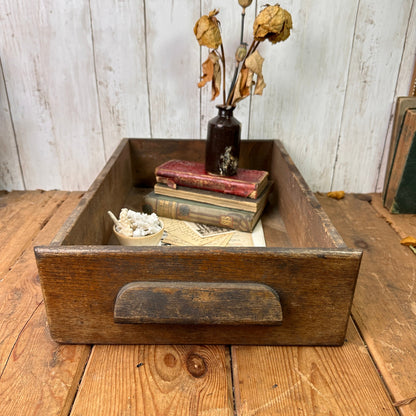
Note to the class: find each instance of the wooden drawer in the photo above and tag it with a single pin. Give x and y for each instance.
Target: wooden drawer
(296, 291)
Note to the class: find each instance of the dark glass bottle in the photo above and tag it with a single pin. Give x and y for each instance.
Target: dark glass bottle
(222, 148)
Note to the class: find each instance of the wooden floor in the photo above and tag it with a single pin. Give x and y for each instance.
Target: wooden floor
(373, 373)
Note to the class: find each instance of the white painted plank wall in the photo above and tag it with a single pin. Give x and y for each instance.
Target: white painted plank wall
(10, 174)
(78, 75)
(379, 40)
(119, 44)
(403, 87)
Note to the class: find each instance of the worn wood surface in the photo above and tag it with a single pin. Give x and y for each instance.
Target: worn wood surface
(404, 224)
(316, 276)
(401, 106)
(306, 223)
(315, 288)
(387, 277)
(22, 219)
(398, 196)
(196, 303)
(366, 113)
(156, 380)
(363, 377)
(307, 381)
(37, 376)
(80, 75)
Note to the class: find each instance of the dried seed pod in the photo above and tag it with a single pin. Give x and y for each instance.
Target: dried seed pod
(241, 52)
(207, 30)
(244, 3)
(273, 23)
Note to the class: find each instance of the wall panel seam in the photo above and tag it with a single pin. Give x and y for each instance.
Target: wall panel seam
(96, 80)
(393, 105)
(12, 125)
(149, 107)
(345, 98)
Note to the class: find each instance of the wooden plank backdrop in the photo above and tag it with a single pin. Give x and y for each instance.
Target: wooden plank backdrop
(78, 75)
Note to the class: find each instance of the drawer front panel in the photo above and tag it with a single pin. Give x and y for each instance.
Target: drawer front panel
(315, 288)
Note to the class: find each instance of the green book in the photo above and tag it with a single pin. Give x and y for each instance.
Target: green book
(199, 212)
(400, 192)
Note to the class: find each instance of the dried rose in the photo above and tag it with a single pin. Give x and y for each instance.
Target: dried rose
(207, 30)
(244, 3)
(272, 23)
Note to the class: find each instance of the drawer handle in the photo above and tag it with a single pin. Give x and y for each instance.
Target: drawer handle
(196, 303)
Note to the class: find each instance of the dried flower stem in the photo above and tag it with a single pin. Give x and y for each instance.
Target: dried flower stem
(243, 15)
(252, 49)
(223, 70)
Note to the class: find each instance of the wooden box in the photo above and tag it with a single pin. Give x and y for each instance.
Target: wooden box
(296, 291)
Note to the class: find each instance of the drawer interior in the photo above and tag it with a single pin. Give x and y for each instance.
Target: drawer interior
(292, 218)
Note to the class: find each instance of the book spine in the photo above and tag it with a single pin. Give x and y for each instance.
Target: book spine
(212, 215)
(404, 143)
(214, 183)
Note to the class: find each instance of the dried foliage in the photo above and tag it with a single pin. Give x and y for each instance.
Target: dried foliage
(207, 30)
(273, 23)
(212, 72)
(336, 194)
(408, 241)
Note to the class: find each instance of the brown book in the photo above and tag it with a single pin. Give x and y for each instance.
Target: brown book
(400, 192)
(215, 198)
(185, 210)
(248, 183)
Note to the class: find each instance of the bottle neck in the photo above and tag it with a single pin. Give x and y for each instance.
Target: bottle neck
(225, 111)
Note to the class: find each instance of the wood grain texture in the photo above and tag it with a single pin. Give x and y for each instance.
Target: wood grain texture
(89, 222)
(39, 368)
(387, 277)
(10, 172)
(302, 73)
(398, 196)
(172, 68)
(23, 215)
(74, 91)
(403, 89)
(195, 303)
(305, 221)
(31, 364)
(308, 381)
(156, 380)
(375, 61)
(403, 224)
(119, 27)
(50, 81)
(402, 105)
(20, 291)
(315, 288)
(320, 278)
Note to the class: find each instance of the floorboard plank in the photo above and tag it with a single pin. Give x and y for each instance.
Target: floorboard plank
(41, 377)
(22, 216)
(384, 305)
(155, 380)
(403, 224)
(37, 376)
(309, 380)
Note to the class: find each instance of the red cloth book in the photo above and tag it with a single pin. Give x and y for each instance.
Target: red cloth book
(248, 183)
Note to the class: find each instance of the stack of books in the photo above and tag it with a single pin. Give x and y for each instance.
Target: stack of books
(184, 191)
